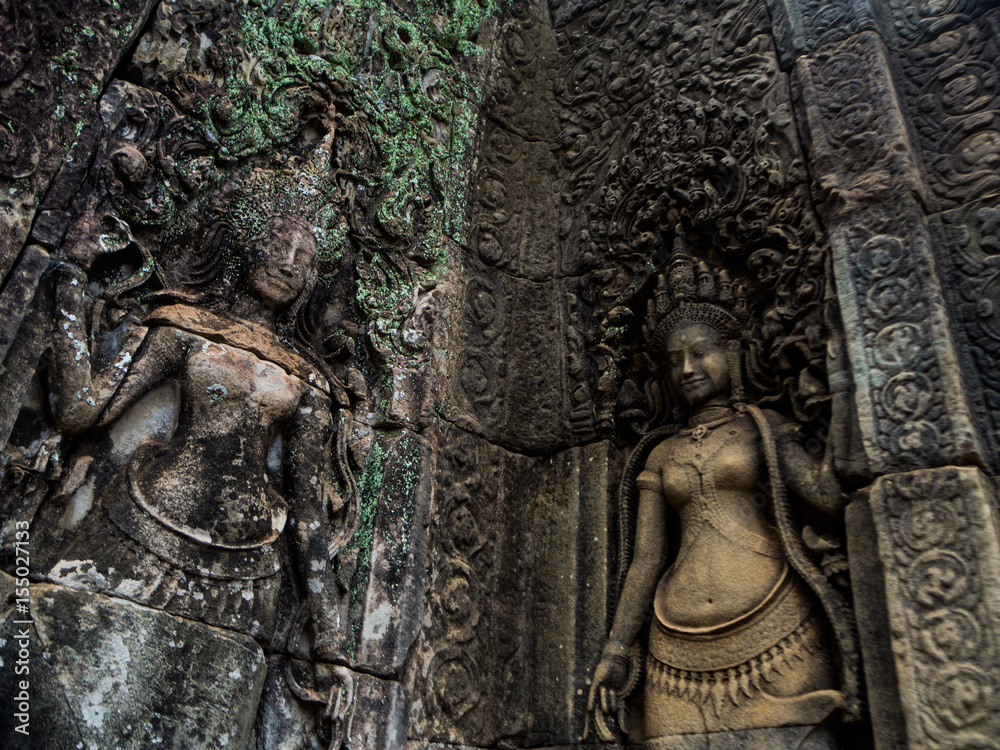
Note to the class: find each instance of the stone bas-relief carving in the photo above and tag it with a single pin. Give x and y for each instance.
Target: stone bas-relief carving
(206, 469)
(910, 403)
(494, 179)
(746, 631)
(204, 484)
(937, 539)
(219, 373)
(367, 106)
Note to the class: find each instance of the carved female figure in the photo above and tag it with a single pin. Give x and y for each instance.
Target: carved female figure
(247, 450)
(740, 613)
(234, 471)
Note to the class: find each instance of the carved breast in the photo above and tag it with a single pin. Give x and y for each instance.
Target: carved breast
(726, 459)
(210, 481)
(730, 558)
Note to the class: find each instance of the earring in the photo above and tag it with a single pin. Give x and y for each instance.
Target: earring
(737, 393)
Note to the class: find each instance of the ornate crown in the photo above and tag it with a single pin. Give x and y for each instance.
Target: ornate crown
(689, 292)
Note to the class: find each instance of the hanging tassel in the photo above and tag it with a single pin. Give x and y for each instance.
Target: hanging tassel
(733, 683)
(745, 671)
(704, 688)
(777, 658)
(718, 692)
(670, 678)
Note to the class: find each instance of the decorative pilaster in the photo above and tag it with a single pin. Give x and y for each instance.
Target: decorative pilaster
(937, 541)
(909, 397)
(854, 129)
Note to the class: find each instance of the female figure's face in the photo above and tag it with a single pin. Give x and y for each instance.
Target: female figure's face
(282, 263)
(698, 365)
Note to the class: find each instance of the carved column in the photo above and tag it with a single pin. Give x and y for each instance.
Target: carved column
(937, 538)
(891, 141)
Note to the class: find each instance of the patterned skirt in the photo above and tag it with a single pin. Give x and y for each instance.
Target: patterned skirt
(770, 668)
(122, 551)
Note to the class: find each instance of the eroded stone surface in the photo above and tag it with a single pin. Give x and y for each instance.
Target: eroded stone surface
(516, 596)
(937, 540)
(909, 399)
(858, 141)
(965, 247)
(494, 190)
(57, 58)
(105, 671)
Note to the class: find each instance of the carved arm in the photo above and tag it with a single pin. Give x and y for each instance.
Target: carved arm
(80, 395)
(808, 474)
(648, 563)
(315, 503)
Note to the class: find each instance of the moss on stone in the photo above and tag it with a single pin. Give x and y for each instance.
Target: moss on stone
(411, 83)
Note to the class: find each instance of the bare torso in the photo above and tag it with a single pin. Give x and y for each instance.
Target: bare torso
(232, 407)
(730, 558)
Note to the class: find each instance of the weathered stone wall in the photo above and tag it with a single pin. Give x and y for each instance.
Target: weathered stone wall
(359, 116)
(494, 188)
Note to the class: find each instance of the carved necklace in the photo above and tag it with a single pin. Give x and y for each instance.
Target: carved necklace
(699, 432)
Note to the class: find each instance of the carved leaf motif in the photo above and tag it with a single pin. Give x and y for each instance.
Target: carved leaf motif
(952, 87)
(939, 547)
(968, 263)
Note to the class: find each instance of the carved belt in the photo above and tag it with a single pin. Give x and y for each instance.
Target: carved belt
(738, 641)
(181, 550)
(733, 661)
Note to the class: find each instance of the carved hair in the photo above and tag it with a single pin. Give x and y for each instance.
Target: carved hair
(231, 245)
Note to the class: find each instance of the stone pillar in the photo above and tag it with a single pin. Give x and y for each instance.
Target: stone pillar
(889, 147)
(937, 540)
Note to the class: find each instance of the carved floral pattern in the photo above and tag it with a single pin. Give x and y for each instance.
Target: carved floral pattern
(460, 564)
(938, 543)
(856, 134)
(153, 160)
(680, 116)
(806, 25)
(952, 87)
(522, 372)
(914, 22)
(902, 355)
(968, 244)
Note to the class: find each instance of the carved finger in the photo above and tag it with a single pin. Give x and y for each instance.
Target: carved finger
(345, 693)
(604, 732)
(609, 701)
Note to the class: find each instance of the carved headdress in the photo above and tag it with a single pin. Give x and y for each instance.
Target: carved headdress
(691, 293)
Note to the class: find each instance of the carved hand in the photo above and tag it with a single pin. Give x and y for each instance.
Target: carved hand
(604, 702)
(339, 707)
